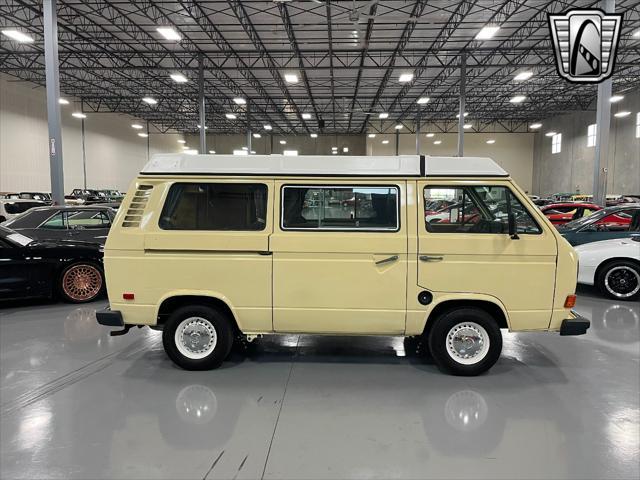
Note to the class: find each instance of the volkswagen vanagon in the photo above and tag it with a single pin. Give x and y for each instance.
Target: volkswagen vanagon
(209, 248)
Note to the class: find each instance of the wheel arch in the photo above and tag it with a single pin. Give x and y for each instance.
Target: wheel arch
(606, 262)
(492, 306)
(174, 300)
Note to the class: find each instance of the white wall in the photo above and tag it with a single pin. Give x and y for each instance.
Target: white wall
(512, 151)
(571, 170)
(114, 151)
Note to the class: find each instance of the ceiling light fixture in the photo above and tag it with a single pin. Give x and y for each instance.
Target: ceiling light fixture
(239, 101)
(616, 98)
(178, 78)
(491, 141)
(136, 126)
(517, 99)
(437, 142)
(423, 100)
(550, 134)
(169, 33)
(398, 127)
(245, 148)
(535, 126)
(465, 115)
(405, 77)
(143, 135)
(149, 100)
(467, 126)
(522, 76)
(345, 149)
(624, 113)
(18, 36)
(385, 142)
(430, 135)
(212, 152)
(283, 142)
(63, 101)
(372, 135)
(78, 115)
(230, 116)
(314, 135)
(257, 135)
(306, 116)
(383, 115)
(182, 141)
(291, 78)
(267, 127)
(487, 32)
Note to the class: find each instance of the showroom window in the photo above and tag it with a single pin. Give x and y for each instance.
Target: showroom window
(477, 209)
(556, 143)
(340, 208)
(215, 206)
(591, 135)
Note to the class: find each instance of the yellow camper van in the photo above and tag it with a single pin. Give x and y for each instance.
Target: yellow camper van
(208, 248)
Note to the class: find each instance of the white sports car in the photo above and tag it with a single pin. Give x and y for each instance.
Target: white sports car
(611, 265)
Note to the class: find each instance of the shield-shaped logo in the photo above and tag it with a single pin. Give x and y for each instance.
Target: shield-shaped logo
(585, 44)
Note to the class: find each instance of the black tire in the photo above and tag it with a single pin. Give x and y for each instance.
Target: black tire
(446, 322)
(83, 291)
(222, 328)
(631, 273)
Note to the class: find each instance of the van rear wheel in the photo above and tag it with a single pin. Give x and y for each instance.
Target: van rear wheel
(197, 337)
(465, 341)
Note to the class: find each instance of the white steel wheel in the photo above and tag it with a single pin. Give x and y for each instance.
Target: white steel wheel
(622, 281)
(468, 343)
(195, 338)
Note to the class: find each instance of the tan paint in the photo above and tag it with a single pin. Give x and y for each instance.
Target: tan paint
(328, 282)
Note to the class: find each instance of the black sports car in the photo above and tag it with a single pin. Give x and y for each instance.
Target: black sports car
(89, 223)
(28, 268)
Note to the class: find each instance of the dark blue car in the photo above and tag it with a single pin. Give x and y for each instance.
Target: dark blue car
(618, 221)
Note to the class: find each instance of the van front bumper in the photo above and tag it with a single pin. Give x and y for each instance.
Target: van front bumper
(576, 325)
(110, 318)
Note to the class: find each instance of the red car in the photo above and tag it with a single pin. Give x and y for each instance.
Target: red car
(561, 213)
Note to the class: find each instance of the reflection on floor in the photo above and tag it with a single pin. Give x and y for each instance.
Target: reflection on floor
(76, 403)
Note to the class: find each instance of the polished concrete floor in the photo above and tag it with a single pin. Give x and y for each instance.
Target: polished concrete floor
(78, 404)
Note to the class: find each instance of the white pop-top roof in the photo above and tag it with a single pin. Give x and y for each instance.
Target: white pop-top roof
(322, 165)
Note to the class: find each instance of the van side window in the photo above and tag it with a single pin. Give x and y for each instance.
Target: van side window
(475, 209)
(340, 208)
(215, 206)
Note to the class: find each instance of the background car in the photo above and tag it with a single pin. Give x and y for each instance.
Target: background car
(11, 208)
(613, 266)
(30, 268)
(89, 223)
(611, 222)
(84, 196)
(40, 196)
(561, 213)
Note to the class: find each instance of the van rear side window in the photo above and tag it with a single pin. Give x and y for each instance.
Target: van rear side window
(340, 208)
(215, 206)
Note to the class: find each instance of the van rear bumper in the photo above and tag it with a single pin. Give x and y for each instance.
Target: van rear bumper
(110, 318)
(576, 325)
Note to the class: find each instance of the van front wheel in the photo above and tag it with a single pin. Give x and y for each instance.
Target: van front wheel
(197, 337)
(465, 341)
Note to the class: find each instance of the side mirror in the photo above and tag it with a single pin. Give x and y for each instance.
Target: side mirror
(513, 232)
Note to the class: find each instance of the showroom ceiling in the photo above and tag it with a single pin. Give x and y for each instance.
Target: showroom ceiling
(347, 57)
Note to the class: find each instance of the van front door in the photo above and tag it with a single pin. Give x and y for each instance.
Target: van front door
(465, 248)
(340, 257)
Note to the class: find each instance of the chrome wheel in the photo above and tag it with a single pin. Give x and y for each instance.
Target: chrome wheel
(622, 281)
(468, 343)
(196, 338)
(82, 282)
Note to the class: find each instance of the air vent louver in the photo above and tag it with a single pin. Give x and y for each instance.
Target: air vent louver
(133, 217)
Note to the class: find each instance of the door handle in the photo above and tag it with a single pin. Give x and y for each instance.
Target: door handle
(387, 260)
(430, 258)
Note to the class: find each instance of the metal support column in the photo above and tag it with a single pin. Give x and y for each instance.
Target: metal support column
(53, 94)
(397, 142)
(603, 125)
(418, 132)
(463, 78)
(84, 151)
(201, 106)
(248, 127)
(148, 143)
